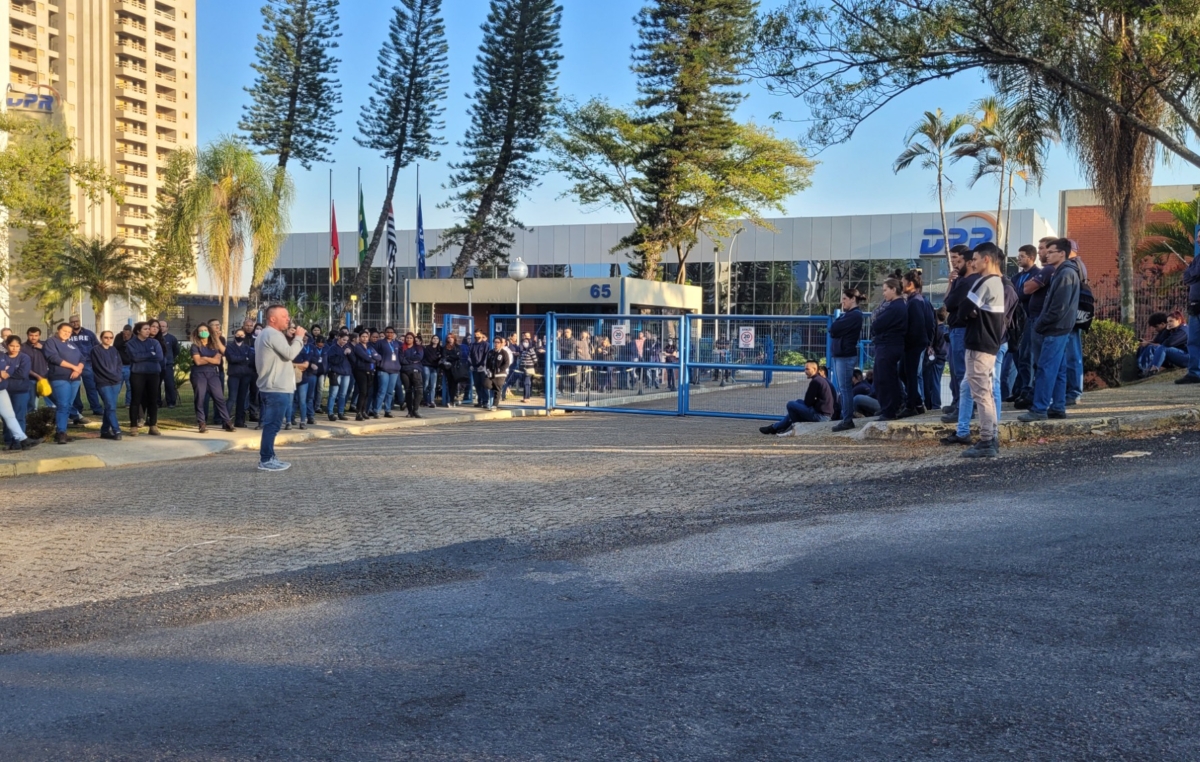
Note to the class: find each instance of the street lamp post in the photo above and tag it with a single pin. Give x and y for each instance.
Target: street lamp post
(518, 271)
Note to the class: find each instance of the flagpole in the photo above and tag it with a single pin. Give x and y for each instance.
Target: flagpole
(387, 284)
(332, 232)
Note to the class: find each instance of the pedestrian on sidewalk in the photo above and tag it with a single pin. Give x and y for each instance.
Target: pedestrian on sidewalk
(889, 326)
(86, 341)
(108, 368)
(431, 370)
(207, 353)
(845, 333)
(364, 359)
(144, 376)
(39, 367)
(20, 384)
(273, 356)
(337, 358)
(985, 318)
(817, 405)
(1191, 277)
(239, 354)
(495, 373)
(14, 374)
(66, 363)
(1054, 329)
(412, 355)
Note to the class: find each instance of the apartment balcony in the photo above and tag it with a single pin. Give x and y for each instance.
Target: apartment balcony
(164, 32)
(130, 45)
(25, 62)
(128, 89)
(18, 78)
(167, 137)
(166, 76)
(23, 33)
(130, 24)
(133, 6)
(128, 109)
(165, 95)
(131, 171)
(129, 132)
(130, 66)
(164, 116)
(165, 54)
(27, 10)
(164, 13)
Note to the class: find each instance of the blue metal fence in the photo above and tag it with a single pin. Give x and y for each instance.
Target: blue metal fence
(506, 325)
(461, 326)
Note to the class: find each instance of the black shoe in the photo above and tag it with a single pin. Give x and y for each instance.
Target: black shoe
(387, 415)
(202, 427)
(28, 443)
(950, 417)
(228, 427)
(333, 417)
(844, 426)
(1188, 379)
(1058, 414)
(359, 418)
(287, 427)
(766, 429)
(955, 439)
(302, 425)
(887, 418)
(1071, 403)
(342, 418)
(416, 415)
(988, 449)
(907, 412)
(60, 437)
(1022, 403)
(311, 422)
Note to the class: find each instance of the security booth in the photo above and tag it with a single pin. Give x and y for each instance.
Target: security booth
(489, 300)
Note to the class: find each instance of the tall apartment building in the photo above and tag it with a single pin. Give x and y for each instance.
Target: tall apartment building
(121, 74)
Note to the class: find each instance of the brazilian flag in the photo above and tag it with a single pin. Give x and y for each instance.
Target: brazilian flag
(363, 240)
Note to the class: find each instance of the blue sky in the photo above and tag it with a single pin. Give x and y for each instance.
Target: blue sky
(854, 178)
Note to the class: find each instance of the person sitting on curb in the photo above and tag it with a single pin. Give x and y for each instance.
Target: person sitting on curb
(1168, 348)
(865, 404)
(817, 405)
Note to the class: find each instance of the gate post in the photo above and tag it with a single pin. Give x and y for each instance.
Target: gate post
(551, 360)
(685, 352)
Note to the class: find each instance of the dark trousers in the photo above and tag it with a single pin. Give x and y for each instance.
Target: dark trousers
(887, 379)
(912, 377)
(171, 397)
(362, 383)
(932, 376)
(145, 397)
(206, 385)
(239, 396)
(88, 387)
(410, 381)
(481, 388)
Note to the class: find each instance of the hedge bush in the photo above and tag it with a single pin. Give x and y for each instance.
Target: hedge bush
(1108, 348)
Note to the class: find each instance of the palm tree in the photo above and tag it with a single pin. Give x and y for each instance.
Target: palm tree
(934, 140)
(1008, 141)
(1176, 237)
(232, 206)
(94, 267)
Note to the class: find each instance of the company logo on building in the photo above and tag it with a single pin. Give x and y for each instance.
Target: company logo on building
(969, 230)
(43, 98)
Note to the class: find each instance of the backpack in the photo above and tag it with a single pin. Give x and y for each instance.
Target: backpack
(1087, 308)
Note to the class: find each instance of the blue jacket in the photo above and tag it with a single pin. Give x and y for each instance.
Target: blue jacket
(1191, 277)
(846, 332)
(1019, 284)
(1062, 302)
(171, 347)
(337, 360)
(889, 323)
(316, 360)
(240, 358)
(147, 355)
(59, 351)
(389, 350)
(86, 341)
(412, 358)
(363, 357)
(921, 323)
(477, 355)
(18, 374)
(107, 366)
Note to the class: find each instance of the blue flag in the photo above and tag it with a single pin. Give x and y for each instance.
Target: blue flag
(420, 241)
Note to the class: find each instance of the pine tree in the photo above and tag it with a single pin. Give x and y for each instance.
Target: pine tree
(687, 64)
(515, 79)
(402, 119)
(295, 95)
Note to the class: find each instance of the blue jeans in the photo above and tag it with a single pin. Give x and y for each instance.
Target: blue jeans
(64, 395)
(299, 402)
(1050, 389)
(314, 394)
(843, 377)
(429, 381)
(339, 389)
(1024, 362)
(21, 409)
(171, 398)
(1008, 377)
(125, 383)
(89, 388)
(958, 362)
(1074, 365)
(108, 395)
(1193, 354)
(798, 412)
(966, 403)
(274, 407)
(385, 391)
(239, 397)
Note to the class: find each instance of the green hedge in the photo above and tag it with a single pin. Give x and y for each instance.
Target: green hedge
(1108, 350)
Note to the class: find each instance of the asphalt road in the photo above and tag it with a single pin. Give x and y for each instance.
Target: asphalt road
(1043, 607)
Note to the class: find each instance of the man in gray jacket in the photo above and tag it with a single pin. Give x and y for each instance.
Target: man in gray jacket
(1054, 326)
(273, 357)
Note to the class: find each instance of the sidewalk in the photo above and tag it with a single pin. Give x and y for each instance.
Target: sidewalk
(1153, 404)
(176, 444)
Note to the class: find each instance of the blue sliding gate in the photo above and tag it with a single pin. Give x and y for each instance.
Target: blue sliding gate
(728, 366)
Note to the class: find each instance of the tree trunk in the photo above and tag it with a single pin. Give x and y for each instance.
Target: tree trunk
(942, 209)
(362, 276)
(1125, 243)
(1000, 204)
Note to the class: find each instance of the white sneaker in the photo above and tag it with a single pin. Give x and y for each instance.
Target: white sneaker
(274, 465)
(789, 433)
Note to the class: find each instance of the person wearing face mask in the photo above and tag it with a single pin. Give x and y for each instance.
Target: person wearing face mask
(207, 353)
(239, 356)
(145, 373)
(526, 362)
(14, 393)
(411, 357)
(337, 359)
(431, 369)
(106, 368)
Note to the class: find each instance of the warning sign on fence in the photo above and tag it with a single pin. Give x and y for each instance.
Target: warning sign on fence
(746, 337)
(618, 335)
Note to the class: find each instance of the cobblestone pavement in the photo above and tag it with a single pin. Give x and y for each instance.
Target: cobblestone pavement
(82, 537)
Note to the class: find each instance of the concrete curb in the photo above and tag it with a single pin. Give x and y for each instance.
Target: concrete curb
(1015, 431)
(193, 445)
